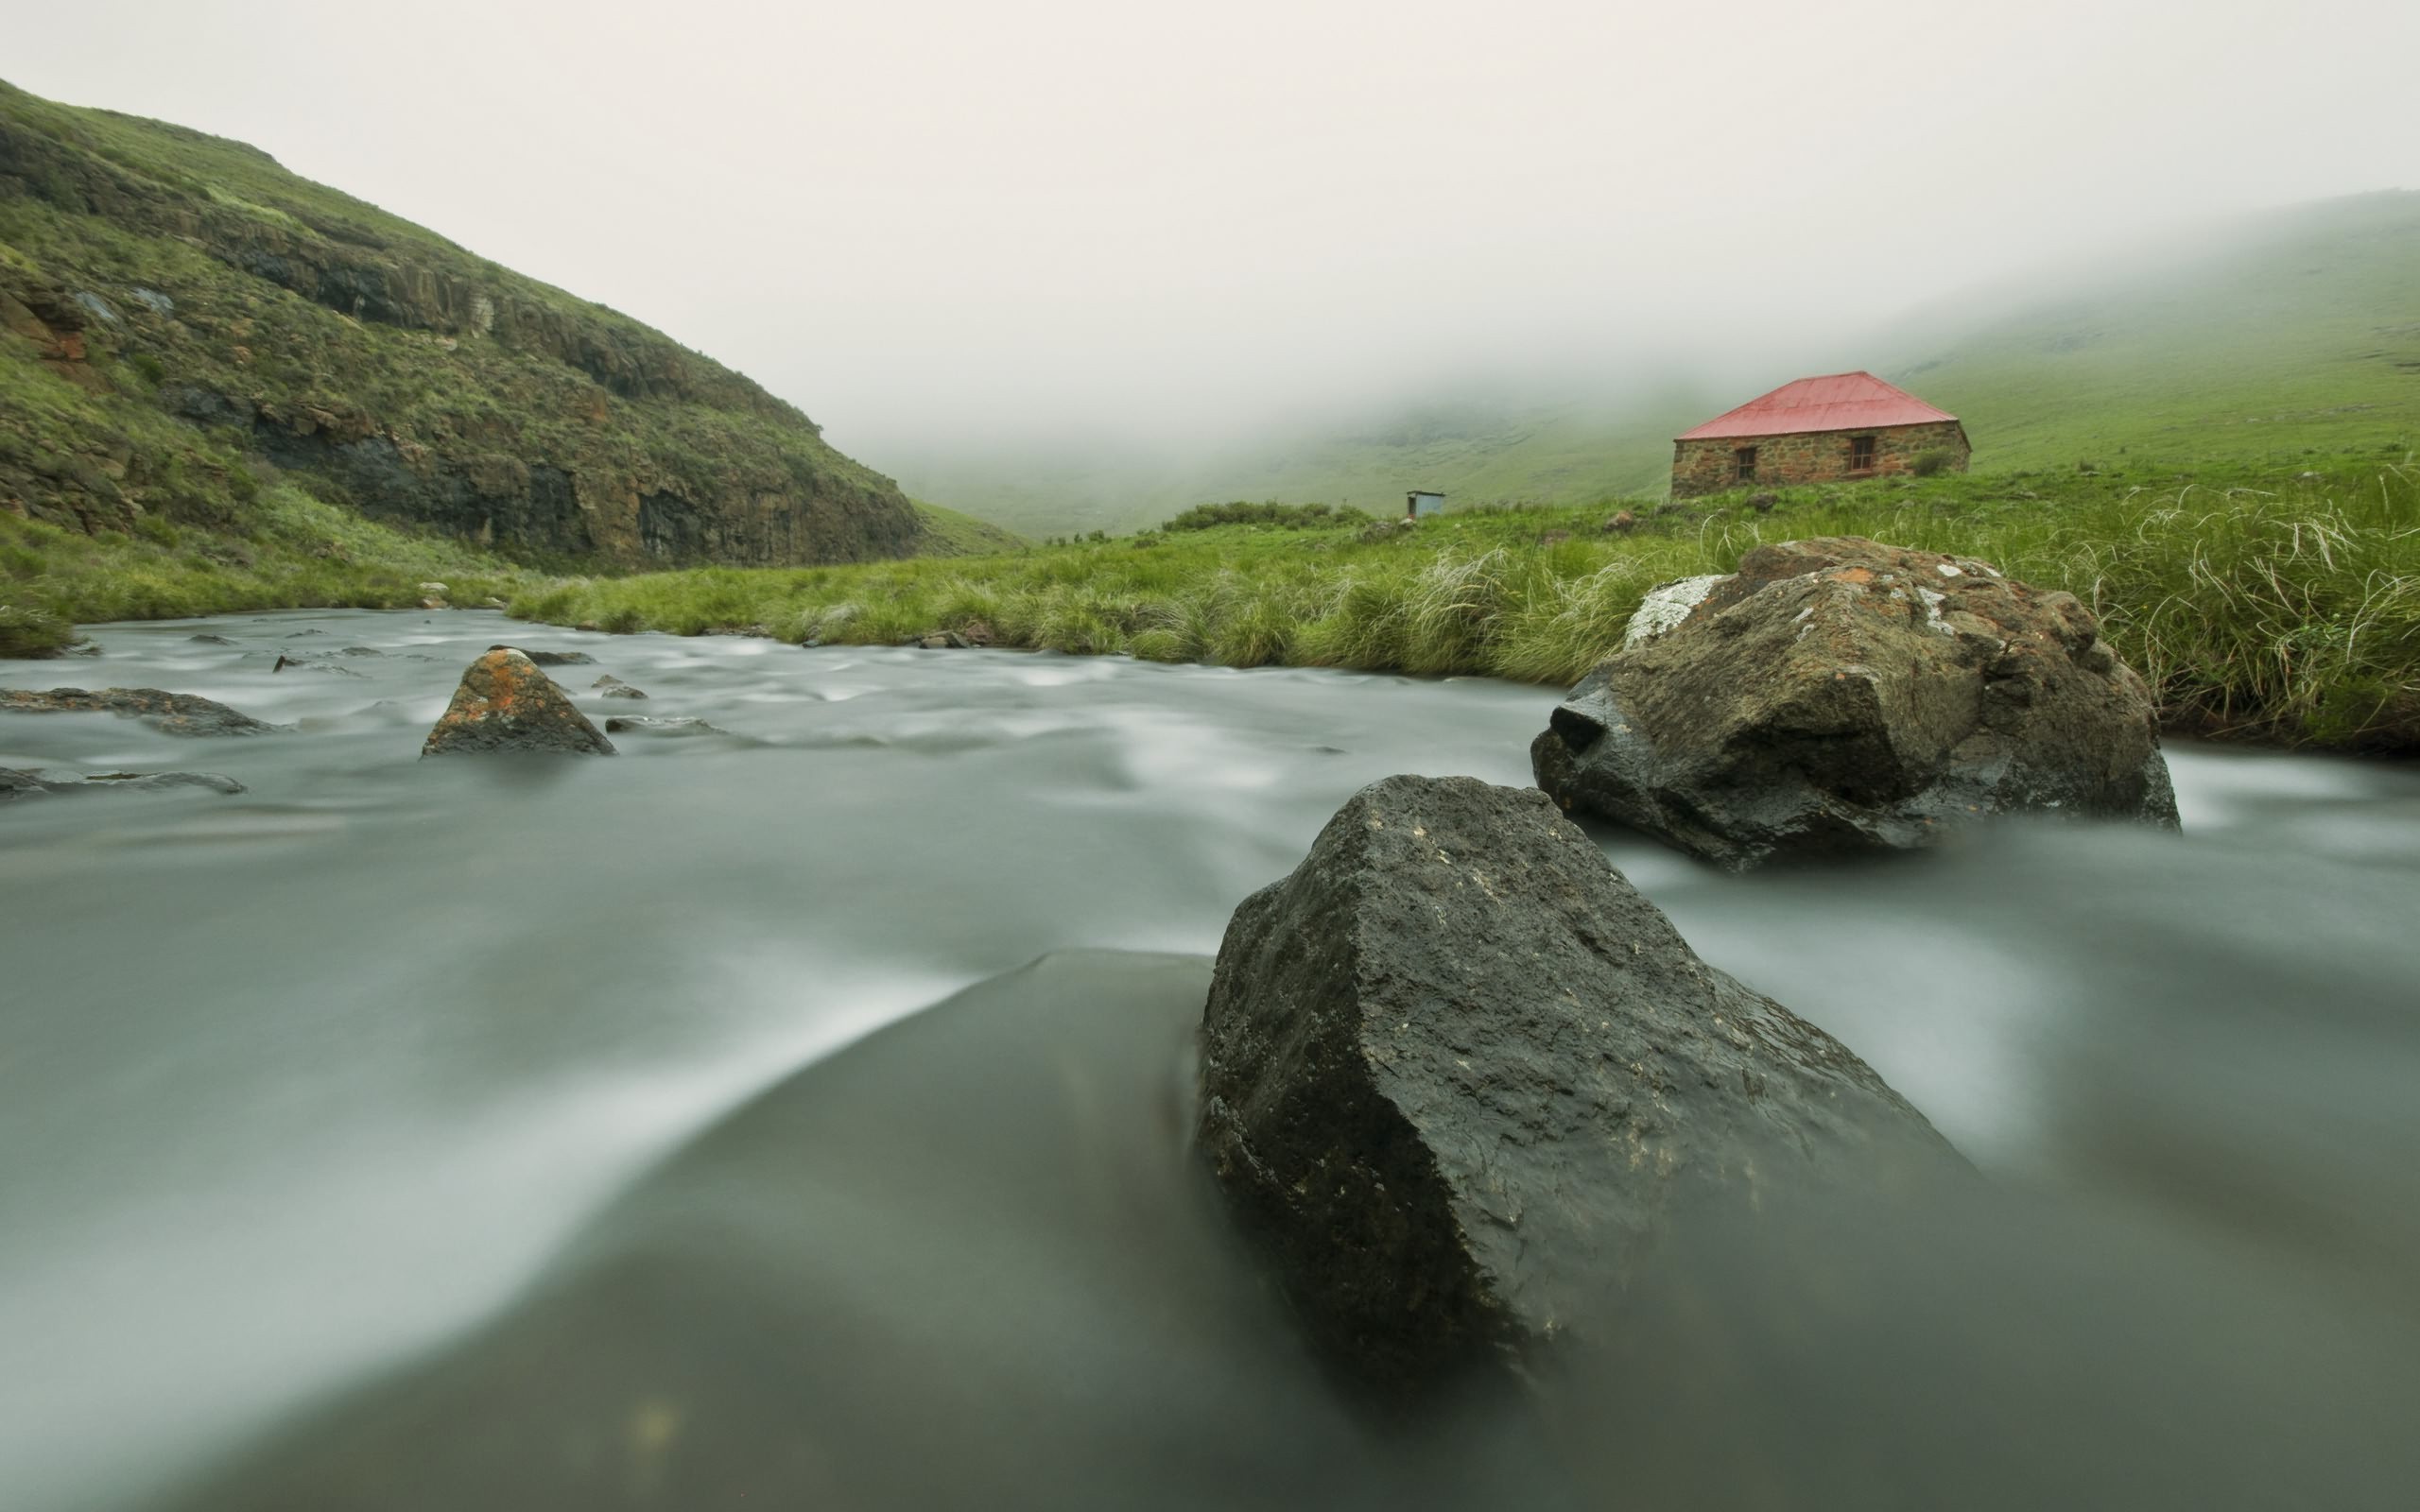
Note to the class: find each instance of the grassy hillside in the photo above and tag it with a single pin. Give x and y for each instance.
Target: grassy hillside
(175, 308)
(948, 533)
(2297, 330)
(2302, 333)
(2272, 603)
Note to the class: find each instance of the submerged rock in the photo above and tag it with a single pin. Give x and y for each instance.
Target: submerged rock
(506, 703)
(644, 725)
(207, 638)
(552, 658)
(307, 662)
(22, 784)
(1457, 1074)
(174, 714)
(1838, 695)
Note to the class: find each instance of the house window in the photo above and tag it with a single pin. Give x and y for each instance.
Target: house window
(1860, 454)
(1747, 457)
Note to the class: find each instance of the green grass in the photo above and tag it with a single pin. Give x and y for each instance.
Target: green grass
(2300, 334)
(293, 552)
(2261, 603)
(948, 533)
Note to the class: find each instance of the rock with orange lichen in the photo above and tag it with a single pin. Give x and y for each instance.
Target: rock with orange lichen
(1841, 695)
(506, 703)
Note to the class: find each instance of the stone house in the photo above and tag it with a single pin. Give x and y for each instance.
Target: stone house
(1817, 430)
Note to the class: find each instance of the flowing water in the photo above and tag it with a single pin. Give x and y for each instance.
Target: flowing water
(517, 1133)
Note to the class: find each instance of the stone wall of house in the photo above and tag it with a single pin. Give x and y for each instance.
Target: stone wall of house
(1810, 456)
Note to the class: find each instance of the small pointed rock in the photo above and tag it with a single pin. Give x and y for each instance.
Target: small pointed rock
(506, 703)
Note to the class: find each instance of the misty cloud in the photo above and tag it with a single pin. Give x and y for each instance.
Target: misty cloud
(943, 224)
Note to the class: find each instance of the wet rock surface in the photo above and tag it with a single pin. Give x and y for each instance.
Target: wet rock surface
(1839, 695)
(174, 714)
(1458, 1073)
(552, 658)
(506, 703)
(16, 783)
(644, 725)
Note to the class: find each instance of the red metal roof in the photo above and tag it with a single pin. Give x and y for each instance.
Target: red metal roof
(1844, 402)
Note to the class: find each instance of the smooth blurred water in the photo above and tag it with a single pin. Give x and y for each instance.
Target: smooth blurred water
(460, 1133)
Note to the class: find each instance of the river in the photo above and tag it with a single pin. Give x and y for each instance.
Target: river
(528, 1134)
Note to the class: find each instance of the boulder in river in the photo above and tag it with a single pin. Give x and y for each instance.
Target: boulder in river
(1457, 1074)
(173, 713)
(506, 703)
(1839, 695)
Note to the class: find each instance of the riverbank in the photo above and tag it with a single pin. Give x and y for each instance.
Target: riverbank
(2279, 604)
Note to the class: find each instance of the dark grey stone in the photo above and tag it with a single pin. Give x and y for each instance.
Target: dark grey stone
(1458, 1074)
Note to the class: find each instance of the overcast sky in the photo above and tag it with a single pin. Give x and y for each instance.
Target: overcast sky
(927, 220)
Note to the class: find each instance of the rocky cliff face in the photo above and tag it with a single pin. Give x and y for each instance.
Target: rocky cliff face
(159, 270)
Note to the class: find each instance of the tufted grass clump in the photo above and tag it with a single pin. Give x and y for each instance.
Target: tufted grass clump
(32, 632)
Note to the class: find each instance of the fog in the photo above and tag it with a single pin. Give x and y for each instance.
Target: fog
(954, 224)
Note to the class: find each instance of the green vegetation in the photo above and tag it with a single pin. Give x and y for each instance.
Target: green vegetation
(2261, 604)
(28, 633)
(2299, 331)
(1293, 516)
(948, 533)
(148, 271)
(292, 551)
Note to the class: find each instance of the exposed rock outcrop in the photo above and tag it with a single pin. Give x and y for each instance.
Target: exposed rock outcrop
(506, 703)
(1457, 1071)
(1839, 695)
(174, 714)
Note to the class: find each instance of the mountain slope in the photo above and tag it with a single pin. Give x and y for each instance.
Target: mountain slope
(174, 306)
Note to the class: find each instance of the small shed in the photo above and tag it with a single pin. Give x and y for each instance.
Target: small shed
(1817, 430)
(1420, 502)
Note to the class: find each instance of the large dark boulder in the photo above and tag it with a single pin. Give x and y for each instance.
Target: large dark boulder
(506, 703)
(174, 714)
(1457, 1074)
(1841, 695)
